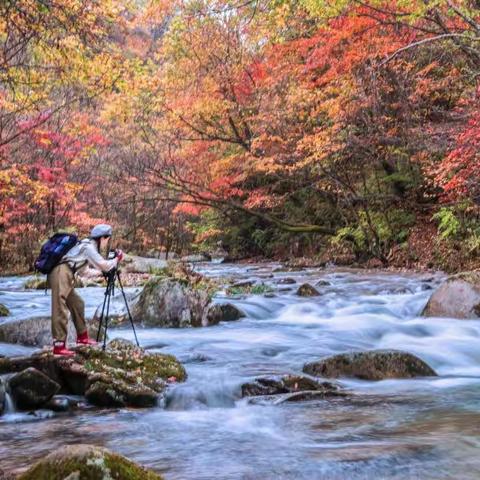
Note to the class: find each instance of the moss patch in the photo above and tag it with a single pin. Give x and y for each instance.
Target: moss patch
(87, 463)
(4, 311)
(132, 365)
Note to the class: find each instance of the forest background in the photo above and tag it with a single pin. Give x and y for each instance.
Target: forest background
(339, 131)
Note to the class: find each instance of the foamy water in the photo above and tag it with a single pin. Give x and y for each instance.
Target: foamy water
(425, 428)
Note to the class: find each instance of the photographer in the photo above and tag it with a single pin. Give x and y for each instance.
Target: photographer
(64, 297)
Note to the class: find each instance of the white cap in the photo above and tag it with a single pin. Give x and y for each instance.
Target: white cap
(102, 230)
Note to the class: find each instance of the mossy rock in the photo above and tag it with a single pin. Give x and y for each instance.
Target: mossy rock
(306, 290)
(87, 462)
(4, 311)
(122, 360)
(370, 365)
(122, 375)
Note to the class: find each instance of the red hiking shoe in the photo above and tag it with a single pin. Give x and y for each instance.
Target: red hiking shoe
(59, 348)
(84, 339)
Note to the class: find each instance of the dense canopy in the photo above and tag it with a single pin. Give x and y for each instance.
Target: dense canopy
(343, 129)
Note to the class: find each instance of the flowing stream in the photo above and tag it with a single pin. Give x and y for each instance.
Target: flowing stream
(392, 429)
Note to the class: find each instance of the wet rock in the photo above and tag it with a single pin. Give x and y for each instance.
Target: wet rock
(120, 394)
(371, 365)
(458, 297)
(165, 302)
(122, 375)
(37, 331)
(223, 312)
(136, 264)
(60, 403)
(286, 281)
(78, 462)
(31, 388)
(196, 258)
(4, 311)
(268, 386)
(306, 290)
(322, 283)
(2, 397)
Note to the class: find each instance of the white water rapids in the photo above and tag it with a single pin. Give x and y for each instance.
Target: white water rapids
(393, 429)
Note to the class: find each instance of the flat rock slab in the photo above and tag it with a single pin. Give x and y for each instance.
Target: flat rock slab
(371, 365)
(290, 384)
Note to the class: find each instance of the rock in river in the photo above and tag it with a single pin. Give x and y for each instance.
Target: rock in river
(371, 365)
(166, 302)
(223, 312)
(122, 375)
(268, 386)
(306, 290)
(4, 311)
(458, 297)
(79, 462)
(36, 331)
(31, 388)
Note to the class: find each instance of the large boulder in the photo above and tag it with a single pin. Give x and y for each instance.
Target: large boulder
(79, 462)
(31, 389)
(371, 365)
(458, 297)
(223, 312)
(37, 331)
(122, 375)
(4, 311)
(166, 302)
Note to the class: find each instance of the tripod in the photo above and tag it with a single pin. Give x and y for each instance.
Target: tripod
(111, 276)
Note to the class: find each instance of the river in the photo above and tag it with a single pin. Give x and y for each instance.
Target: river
(392, 429)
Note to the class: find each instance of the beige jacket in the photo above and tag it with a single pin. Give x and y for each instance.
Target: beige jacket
(86, 253)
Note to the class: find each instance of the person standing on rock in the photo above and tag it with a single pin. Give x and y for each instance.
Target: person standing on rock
(61, 280)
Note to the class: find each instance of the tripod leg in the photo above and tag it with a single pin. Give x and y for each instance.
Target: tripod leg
(106, 316)
(128, 308)
(100, 324)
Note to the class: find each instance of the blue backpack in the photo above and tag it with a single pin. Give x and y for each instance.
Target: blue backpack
(53, 251)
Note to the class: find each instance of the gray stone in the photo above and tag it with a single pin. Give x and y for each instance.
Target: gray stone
(37, 331)
(136, 264)
(196, 258)
(31, 388)
(458, 297)
(371, 365)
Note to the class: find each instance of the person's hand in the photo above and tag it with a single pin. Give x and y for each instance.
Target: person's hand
(119, 255)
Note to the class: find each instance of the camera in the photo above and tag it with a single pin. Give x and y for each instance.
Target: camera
(112, 254)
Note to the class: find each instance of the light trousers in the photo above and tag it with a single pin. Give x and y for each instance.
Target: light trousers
(65, 301)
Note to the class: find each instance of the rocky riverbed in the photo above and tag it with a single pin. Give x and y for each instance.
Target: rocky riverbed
(246, 409)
